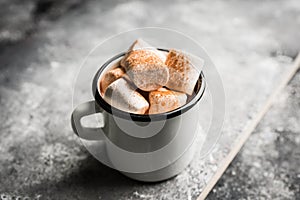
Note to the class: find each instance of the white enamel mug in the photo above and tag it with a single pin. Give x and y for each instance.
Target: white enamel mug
(148, 148)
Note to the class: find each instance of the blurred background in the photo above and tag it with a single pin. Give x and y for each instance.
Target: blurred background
(43, 42)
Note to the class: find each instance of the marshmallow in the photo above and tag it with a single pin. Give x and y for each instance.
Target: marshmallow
(110, 77)
(145, 67)
(164, 100)
(182, 71)
(122, 95)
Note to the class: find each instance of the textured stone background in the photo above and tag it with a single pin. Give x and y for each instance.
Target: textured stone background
(268, 165)
(42, 44)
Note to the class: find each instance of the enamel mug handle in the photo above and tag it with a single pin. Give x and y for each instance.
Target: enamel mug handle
(85, 109)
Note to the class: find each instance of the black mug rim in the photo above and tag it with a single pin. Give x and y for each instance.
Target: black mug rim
(143, 117)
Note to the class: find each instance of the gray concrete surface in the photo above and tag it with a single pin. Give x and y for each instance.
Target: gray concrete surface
(42, 45)
(268, 165)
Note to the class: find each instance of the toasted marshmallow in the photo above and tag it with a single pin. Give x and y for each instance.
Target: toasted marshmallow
(164, 100)
(145, 66)
(121, 94)
(182, 71)
(146, 69)
(110, 77)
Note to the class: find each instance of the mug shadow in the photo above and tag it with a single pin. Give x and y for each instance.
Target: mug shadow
(89, 181)
(95, 174)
